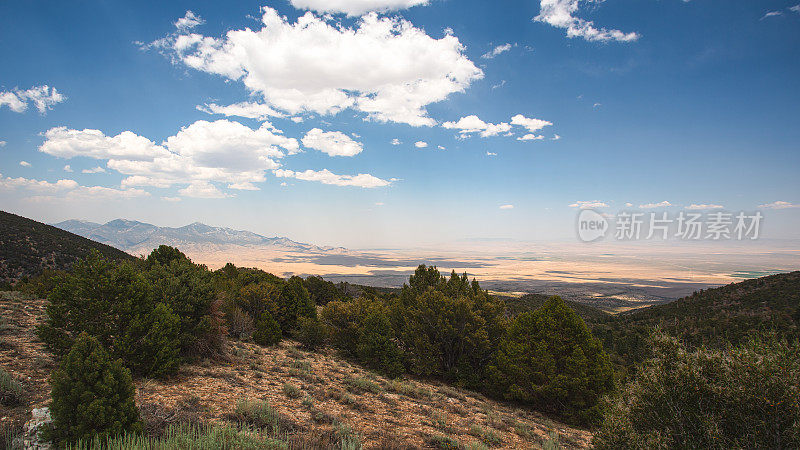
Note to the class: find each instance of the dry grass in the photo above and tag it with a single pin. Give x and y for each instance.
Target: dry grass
(307, 394)
(23, 356)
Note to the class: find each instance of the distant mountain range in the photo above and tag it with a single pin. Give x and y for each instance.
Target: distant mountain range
(139, 237)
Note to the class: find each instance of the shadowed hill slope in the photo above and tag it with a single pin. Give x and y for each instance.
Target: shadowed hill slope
(530, 302)
(28, 247)
(714, 317)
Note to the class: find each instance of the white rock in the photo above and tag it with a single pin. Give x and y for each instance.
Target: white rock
(40, 417)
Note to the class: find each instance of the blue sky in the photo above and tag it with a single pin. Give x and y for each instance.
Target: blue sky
(692, 103)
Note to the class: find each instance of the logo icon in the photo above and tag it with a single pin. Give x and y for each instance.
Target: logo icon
(591, 225)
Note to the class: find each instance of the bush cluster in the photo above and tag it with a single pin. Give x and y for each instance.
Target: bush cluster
(267, 330)
(310, 333)
(361, 329)
(453, 330)
(323, 292)
(149, 313)
(40, 285)
(740, 397)
(263, 305)
(714, 318)
(157, 311)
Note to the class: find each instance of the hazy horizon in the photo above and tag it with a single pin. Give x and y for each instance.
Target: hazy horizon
(619, 274)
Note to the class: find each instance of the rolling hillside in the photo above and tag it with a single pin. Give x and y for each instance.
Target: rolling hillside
(531, 302)
(713, 317)
(315, 395)
(27, 247)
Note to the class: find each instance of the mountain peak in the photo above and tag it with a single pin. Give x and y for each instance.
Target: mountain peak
(136, 237)
(124, 223)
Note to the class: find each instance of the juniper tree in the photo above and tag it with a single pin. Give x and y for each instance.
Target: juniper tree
(550, 360)
(267, 330)
(92, 395)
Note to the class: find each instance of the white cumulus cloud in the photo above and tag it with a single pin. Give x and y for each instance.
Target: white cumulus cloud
(779, 205)
(506, 206)
(588, 204)
(496, 51)
(188, 21)
(38, 186)
(530, 137)
(382, 66)
(66, 189)
(42, 97)
(248, 110)
(67, 143)
(24, 164)
(334, 143)
(325, 176)
(473, 124)
(561, 14)
(420, 144)
(701, 206)
(355, 7)
(221, 151)
(532, 125)
(663, 204)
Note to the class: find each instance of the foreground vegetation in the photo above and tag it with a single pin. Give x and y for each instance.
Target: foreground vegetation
(185, 436)
(452, 330)
(107, 320)
(741, 397)
(316, 395)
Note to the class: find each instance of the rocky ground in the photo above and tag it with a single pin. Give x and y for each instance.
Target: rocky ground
(312, 391)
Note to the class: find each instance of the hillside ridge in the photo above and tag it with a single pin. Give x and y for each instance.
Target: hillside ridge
(28, 247)
(713, 317)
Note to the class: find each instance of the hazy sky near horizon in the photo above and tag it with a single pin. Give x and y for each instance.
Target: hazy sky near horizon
(370, 123)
